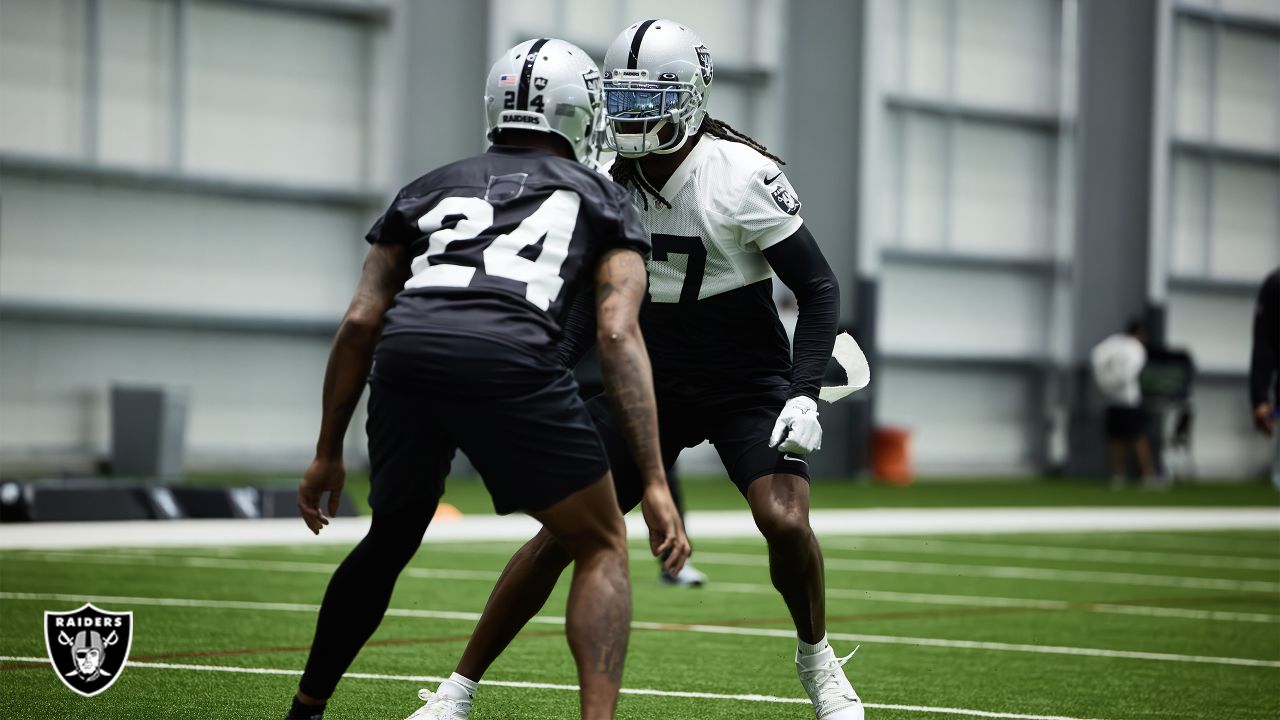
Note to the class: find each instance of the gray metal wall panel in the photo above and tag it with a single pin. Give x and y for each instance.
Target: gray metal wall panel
(1117, 86)
(822, 99)
(822, 95)
(447, 58)
(1117, 81)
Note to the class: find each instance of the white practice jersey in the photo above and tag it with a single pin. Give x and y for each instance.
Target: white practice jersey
(735, 202)
(1117, 364)
(710, 322)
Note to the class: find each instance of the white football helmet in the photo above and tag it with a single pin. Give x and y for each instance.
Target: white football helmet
(546, 85)
(656, 72)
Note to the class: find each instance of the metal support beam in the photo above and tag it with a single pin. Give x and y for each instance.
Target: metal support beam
(92, 119)
(1114, 153)
(178, 84)
(951, 109)
(1269, 25)
(447, 56)
(827, 176)
(945, 258)
(373, 11)
(123, 176)
(160, 319)
(1230, 153)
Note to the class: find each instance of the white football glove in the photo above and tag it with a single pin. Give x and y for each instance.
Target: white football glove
(797, 429)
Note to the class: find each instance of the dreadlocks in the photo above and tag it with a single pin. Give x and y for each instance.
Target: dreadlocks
(626, 171)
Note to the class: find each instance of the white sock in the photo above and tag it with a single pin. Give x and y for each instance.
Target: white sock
(458, 687)
(816, 648)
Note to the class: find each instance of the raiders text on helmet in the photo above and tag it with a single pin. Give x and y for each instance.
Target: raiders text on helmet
(546, 85)
(657, 72)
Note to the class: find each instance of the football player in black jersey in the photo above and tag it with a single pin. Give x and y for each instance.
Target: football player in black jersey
(724, 221)
(455, 323)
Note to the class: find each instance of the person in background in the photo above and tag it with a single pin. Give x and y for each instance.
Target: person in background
(1264, 391)
(1117, 362)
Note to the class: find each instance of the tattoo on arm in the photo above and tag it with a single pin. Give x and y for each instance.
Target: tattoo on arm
(628, 378)
(385, 271)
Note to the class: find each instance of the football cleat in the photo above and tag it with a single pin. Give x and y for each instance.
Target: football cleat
(823, 678)
(439, 707)
(689, 576)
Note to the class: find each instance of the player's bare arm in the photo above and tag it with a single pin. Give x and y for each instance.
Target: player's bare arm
(384, 274)
(628, 379)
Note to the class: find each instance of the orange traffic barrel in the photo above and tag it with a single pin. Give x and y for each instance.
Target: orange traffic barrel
(891, 455)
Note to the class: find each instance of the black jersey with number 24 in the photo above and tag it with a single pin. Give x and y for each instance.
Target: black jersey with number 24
(501, 243)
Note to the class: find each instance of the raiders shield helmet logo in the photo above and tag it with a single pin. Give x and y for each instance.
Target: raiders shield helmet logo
(540, 83)
(88, 647)
(786, 200)
(704, 61)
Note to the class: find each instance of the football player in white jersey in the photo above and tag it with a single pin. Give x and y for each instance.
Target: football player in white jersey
(724, 221)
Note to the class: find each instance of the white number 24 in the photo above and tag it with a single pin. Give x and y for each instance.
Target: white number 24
(555, 219)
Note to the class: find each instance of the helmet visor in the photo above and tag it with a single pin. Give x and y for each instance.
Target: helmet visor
(636, 111)
(640, 103)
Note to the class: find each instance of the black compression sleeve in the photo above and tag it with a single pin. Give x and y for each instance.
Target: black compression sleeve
(799, 264)
(1265, 362)
(579, 329)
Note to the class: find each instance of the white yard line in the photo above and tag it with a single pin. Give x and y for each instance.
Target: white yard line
(745, 560)
(134, 558)
(1009, 572)
(932, 598)
(679, 628)
(567, 688)
(139, 557)
(736, 523)
(1217, 543)
(1047, 552)
(1024, 603)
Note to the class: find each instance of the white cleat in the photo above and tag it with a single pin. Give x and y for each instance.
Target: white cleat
(439, 707)
(823, 678)
(689, 576)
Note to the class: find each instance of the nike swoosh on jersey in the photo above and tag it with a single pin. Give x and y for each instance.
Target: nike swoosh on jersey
(770, 180)
(796, 459)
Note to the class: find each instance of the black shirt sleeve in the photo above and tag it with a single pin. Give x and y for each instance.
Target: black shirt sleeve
(628, 231)
(1265, 361)
(393, 227)
(800, 265)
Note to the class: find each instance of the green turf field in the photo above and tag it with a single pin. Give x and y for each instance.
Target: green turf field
(1110, 626)
(717, 493)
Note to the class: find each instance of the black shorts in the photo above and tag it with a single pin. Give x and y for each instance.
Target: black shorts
(739, 433)
(516, 415)
(1125, 423)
